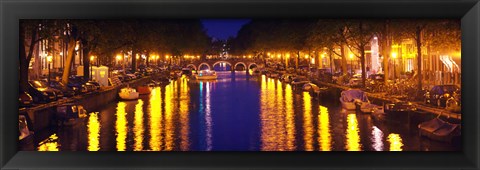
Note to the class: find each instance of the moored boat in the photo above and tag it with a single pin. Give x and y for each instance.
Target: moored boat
(439, 130)
(206, 75)
(128, 93)
(354, 99)
(70, 114)
(144, 90)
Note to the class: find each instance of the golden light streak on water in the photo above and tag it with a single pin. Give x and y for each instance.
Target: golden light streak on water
(208, 117)
(267, 122)
(121, 125)
(324, 133)
(395, 142)
(49, 144)
(138, 130)
(353, 137)
(184, 115)
(377, 139)
(280, 117)
(274, 128)
(93, 126)
(307, 122)
(169, 129)
(155, 119)
(290, 118)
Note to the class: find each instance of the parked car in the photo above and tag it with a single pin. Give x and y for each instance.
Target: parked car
(58, 92)
(138, 74)
(41, 93)
(454, 103)
(67, 91)
(95, 84)
(90, 87)
(439, 94)
(76, 83)
(287, 78)
(24, 99)
(377, 78)
(132, 76)
(355, 82)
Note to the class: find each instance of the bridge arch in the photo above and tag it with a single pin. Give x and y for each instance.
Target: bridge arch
(221, 61)
(242, 63)
(193, 66)
(201, 64)
(252, 64)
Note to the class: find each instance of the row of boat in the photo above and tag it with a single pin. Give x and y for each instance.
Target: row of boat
(436, 129)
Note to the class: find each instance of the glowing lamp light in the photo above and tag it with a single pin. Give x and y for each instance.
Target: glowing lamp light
(49, 59)
(119, 57)
(166, 56)
(306, 56)
(394, 55)
(279, 55)
(323, 55)
(268, 54)
(249, 56)
(351, 56)
(92, 57)
(198, 56)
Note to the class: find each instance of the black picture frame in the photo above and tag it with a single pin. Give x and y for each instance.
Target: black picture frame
(11, 11)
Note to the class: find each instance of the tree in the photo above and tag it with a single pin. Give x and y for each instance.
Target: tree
(359, 32)
(329, 34)
(36, 31)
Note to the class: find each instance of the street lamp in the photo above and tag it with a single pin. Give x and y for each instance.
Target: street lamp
(351, 63)
(91, 66)
(394, 56)
(49, 62)
(119, 58)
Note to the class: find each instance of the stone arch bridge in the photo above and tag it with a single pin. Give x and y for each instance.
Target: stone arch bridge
(234, 63)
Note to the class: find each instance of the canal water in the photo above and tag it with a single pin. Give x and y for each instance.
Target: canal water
(236, 113)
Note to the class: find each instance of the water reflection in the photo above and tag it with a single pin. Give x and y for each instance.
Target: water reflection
(184, 101)
(353, 137)
(49, 144)
(155, 119)
(325, 138)
(307, 122)
(377, 139)
(395, 142)
(169, 130)
(290, 118)
(138, 128)
(121, 126)
(208, 117)
(93, 132)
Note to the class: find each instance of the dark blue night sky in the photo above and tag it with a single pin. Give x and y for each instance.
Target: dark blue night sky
(223, 28)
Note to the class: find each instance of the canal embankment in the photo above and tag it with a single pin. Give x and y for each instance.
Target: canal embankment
(43, 116)
(382, 98)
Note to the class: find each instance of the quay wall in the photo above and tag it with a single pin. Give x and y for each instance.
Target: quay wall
(43, 116)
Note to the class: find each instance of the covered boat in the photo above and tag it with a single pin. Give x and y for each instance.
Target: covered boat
(70, 114)
(144, 90)
(206, 75)
(23, 130)
(353, 98)
(440, 130)
(400, 106)
(128, 93)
